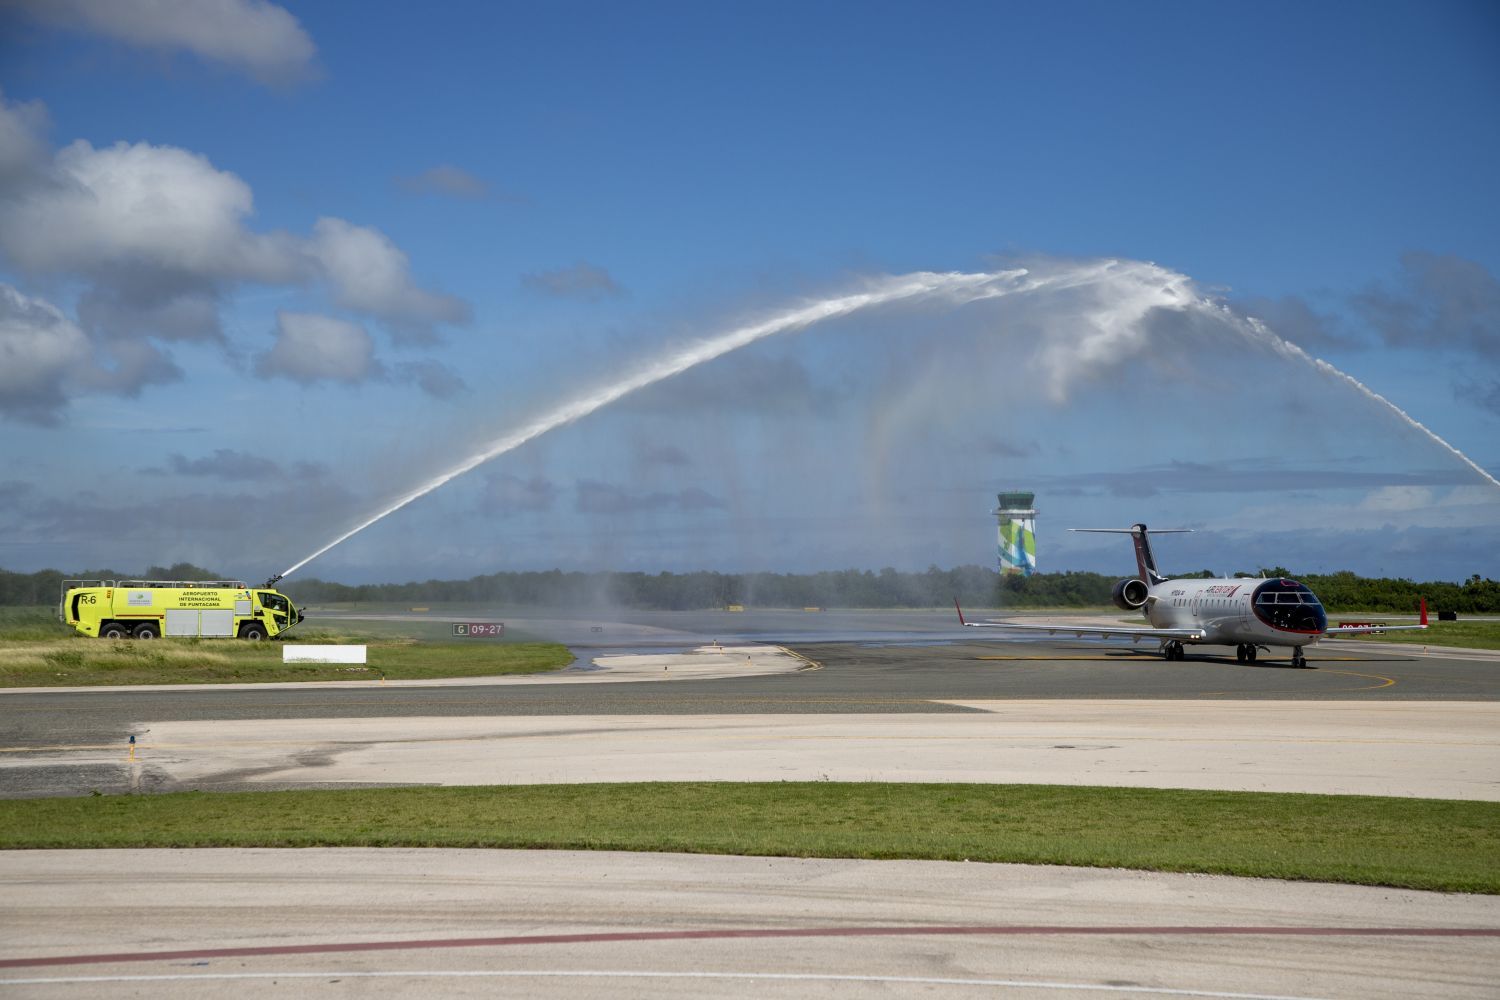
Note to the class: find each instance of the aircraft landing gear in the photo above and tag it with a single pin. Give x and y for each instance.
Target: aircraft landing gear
(1245, 652)
(1173, 650)
(1298, 660)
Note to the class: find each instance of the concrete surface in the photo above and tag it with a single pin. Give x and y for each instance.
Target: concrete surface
(1413, 749)
(543, 924)
(393, 922)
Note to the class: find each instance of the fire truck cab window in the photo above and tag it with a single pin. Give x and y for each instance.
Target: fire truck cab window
(273, 601)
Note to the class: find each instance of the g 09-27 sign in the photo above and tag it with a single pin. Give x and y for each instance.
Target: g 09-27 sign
(479, 630)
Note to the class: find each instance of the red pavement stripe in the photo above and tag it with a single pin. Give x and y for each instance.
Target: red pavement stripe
(704, 935)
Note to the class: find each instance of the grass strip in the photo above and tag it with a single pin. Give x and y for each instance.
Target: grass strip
(38, 651)
(82, 661)
(1461, 634)
(1410, 843)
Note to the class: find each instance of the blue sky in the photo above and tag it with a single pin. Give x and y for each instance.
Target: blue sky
(264, 267)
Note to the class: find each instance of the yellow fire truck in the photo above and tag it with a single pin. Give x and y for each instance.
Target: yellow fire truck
(148, 609)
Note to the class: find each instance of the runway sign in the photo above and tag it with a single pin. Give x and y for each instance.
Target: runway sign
(479, 630)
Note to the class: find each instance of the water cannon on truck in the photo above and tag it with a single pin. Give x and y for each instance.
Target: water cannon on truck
(149, 609)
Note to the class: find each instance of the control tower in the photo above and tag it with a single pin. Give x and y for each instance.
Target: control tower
(1017, 533)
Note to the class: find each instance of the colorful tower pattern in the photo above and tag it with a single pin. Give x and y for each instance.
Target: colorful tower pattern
(1017, 533)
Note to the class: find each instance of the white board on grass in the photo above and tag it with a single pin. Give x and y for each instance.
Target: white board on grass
(309, 653)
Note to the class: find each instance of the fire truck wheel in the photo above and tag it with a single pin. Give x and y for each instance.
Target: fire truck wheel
(255, 633)
(146, 631)
(114, 630)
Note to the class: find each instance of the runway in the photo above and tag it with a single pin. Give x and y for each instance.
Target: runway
(396, 922)
(1409, 749)
(909, 698)
(57, 743)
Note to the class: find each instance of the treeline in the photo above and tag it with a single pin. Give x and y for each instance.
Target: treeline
(45, 586)
(681, 591)
(1346, 590)
(974, 586)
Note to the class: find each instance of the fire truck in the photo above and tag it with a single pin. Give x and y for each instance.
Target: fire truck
(149, 609)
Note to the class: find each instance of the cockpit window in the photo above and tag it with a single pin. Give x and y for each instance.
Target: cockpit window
(1289, 606)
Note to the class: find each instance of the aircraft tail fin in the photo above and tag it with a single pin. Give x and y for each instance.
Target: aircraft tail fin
(1145, 562)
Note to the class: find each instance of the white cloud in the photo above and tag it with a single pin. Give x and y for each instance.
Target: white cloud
(39, 346)
(371, 274)
(144, 206)
(254, 36)
(127, 366)
(22, 149)
(1458, 508)
(226, 463)
(1440, 301)
(432, 377)
(311, 348)
(158, 238)
(1399, 499)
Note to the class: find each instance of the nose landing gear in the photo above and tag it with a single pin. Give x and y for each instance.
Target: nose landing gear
(1298, 660)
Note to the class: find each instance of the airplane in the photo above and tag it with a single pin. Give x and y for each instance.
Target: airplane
(1249, 614)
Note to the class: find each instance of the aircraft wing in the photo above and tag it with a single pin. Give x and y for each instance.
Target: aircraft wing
(1367, 629)
(1123, 631)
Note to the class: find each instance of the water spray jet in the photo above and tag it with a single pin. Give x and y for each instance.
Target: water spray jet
(1156, 288)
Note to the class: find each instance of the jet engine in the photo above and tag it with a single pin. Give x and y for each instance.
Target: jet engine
(1129, 595)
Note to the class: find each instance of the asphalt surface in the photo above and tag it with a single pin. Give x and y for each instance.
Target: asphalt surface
(884, 664)
(859, 677)
(485, 923)
(1414, 749)
(450, 923)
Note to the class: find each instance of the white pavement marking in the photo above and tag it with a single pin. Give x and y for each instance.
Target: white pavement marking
(639, 974)
(1422, 749)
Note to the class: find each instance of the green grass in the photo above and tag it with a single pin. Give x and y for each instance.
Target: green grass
(1465, 634)
(1411, 843)
(31, 624)
(436, 626)
(36, 650)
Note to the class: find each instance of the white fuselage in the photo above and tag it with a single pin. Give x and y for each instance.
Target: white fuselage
(1230, 612)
